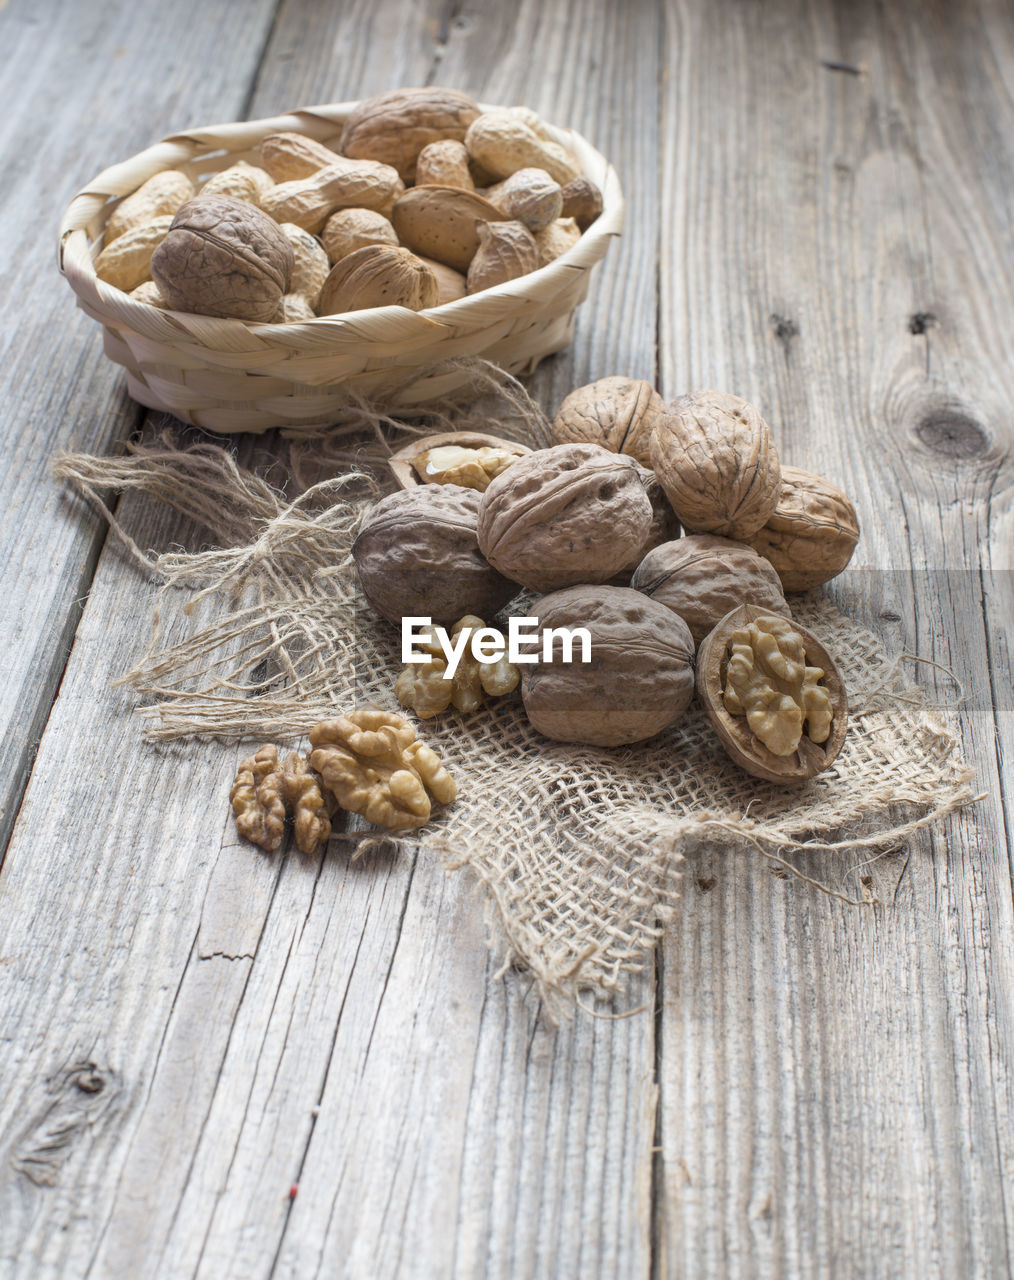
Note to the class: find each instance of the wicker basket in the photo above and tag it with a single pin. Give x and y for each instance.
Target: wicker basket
(231, 375)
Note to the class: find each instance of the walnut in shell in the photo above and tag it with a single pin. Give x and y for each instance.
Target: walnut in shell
(266, 790)
(617, 413)
(378, 276)
(664, 527)
(703, 577)
(441, 222)
(417, 555)
(811, 535)
(773, 694)
(574, 513)
(223, 257)
(715, 457)
(394, 127)
(640, 678)
(506, 251)
(375, 766)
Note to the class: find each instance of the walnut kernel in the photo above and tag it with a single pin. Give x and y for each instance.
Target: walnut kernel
(265, 791)
(428, 690)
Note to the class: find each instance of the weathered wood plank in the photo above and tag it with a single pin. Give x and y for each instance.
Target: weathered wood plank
(837, 1093)
(85, 85)
(226, 996)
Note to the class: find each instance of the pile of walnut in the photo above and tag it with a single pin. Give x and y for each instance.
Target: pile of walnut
(428, 199)
(593, 525)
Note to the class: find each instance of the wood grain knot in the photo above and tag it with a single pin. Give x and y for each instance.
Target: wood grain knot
(785, 331)
(706, 883)
(920, 322)
(952, 434)
(77, 1098)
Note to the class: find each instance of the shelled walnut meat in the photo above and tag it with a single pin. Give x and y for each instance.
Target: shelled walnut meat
(702, 577)
(268, 790)
(640, 678)
(571, 514)
(373, 763)
(417, 555)
(773, 695)
(429, 689)
(717, 462)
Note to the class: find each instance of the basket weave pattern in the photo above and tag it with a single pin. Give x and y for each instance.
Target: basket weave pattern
(230, 375)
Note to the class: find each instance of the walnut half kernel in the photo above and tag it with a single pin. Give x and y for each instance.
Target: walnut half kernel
(427, 688)
(773, 695)
(455, 464)
(266, 790)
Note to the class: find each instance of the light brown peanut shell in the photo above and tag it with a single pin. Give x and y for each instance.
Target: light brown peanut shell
(148, 291)
(734, 731)
(241, 181)
(440, 223)
(162, 194)
(223, 257)
(715, 457)
(308, 202)
(506, 251)
(394, 127)
(287, 157)
(351, 229)
(378, 276)
(310, 263)
(812, 534)
(126, 263)
(530, 196)
(571, 514)
(617, 413)
(556, 239)
(444, 164)
(417, 554)
(702, 577)
(640, 678)
(502, 143)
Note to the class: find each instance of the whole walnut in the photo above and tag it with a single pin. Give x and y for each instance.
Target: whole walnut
(418, 556)
(556, 517)
(664, 527)
(703, 577)
(395, 126)
(812, 533)
(378, 275)
(617, 413)
(716, 460)
(223, 257)
(640, 678)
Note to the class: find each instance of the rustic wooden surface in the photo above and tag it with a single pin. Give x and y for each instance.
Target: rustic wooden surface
(819, 218)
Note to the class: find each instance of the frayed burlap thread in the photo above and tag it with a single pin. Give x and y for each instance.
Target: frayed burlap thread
(579, 849)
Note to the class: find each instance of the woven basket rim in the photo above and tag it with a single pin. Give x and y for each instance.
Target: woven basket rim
(85, 216)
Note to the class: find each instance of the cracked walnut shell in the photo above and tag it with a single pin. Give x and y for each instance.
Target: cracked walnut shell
(375, 766)
(717, 462)
(773, 694)
(428, 690)
(812, 533)
(640, 678)
(571, 514)
(265, 791)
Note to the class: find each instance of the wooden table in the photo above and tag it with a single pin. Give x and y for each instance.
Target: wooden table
(820, 219)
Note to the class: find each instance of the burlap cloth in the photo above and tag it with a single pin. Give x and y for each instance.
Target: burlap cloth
(578, 848)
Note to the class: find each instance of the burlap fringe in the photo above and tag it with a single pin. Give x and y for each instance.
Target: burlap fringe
(579, 849)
